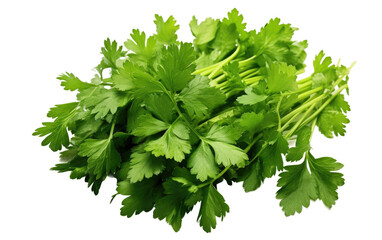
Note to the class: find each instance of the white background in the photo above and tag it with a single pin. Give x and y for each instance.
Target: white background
(42, 39)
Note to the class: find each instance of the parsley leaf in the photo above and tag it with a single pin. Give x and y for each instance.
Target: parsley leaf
(144, 165)
(176, 66)
(171, 206)
(327, 180)
(202, 162)
(166, 31)
(199, 98)
(302, 145)
(143, 51)
(103, 157)
(57, 134)
(281, 77)
(141, 196)
(205, 31)
(213, 205)
(174, 143)
(272, 155)
(299, 186)
(71, 82)
(251, 98)
(332, 121)
(111, 53)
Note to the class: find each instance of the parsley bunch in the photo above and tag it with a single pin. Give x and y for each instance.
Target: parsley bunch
(170, 120)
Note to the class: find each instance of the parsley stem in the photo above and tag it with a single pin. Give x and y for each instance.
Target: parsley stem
(304, 80)
(225, 61)
(278, 112)
(112, 128)
(246, 150)
(258, 153)
(310, 92)
(302, 108)
(318, 111)
(215, 178)
(300, 90)
(251, 75)
(312, 129)
(247, 72)
(305, 84)
(253, 80)
(247, 60)
(290, 133)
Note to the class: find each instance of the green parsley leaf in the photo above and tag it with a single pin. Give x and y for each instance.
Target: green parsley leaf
(237, 19)
(161, 106)
(104, 101)
(103, 157)
(142, 196)
(251, 98)
(71, 82)
(202, 162)
(205, 31)
(144, 165)
(228, 154)
(302, 145)
(166, 31)
(213, 205)
(174, 143)
(147, 125)
(281, 77)
(111, 53)
(199, 98)
(176, 66)
(298, 187)
(252, 177)
(144, 51)
(172, 206)
(320, 63)
(57, 134)
(272, 155)
(327, 181)
(332, 121)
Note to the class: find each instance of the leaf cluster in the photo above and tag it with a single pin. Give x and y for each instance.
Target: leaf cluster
(174, 119)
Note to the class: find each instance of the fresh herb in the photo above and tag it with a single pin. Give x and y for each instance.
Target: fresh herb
(174, 119)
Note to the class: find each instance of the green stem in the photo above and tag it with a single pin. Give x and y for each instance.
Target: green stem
(212, 75)
(302, 108)
(247, 72)
(258, 153)
(205, 69)
(215, 178)
(253, 80)
(247, 60)
(246, 150)
(312, 129)
(304, 80)
(310, 92)
(278, 112)
(250, 75)
(305, 84)
(318, 111)
(112, 128)
(290, 133)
